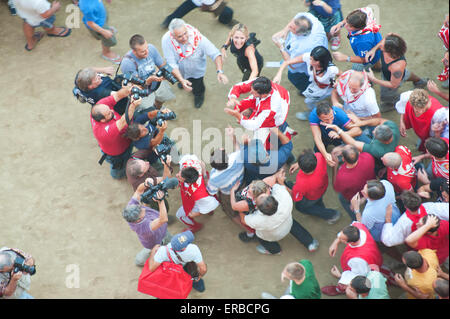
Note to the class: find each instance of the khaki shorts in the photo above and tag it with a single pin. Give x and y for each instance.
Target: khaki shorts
(163, 94)
(106, 42)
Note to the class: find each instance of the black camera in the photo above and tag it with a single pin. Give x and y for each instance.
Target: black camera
(19, 265)
(152, 192)
(163, 149)
(124, 79)
(166, 72)
(161, 117)
(136, 93)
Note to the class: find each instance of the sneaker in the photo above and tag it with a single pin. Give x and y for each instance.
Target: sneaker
(422, 83)
(333, 220)
(313, 246)
(245, 238)
(331, 291)
(195, 228)
(445, 84)
(264, 251)
(335, 43)
(141, 257)
(266, 295)
(12, 9)
(302, 116)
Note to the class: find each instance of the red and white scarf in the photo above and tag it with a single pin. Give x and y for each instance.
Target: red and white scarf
(194, 37)
(344, 91)
(443, 35)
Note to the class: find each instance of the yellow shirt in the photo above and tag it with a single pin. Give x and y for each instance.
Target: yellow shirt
(424, 281)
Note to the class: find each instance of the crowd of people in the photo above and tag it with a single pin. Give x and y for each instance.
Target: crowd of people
(397, 203)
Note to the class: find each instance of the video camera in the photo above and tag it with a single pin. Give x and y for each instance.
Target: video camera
(19, 265)
(161, 117)
(152, 193)
(163, 149)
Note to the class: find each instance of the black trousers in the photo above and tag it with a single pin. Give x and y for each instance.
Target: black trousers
(198, 86)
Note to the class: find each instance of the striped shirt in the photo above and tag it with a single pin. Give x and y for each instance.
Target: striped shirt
(225, 179)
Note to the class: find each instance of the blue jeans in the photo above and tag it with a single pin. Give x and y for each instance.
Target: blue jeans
(118, 163)
(199, 285)
(26, 295)
(299, 80)
(346, 205)
(315, 208)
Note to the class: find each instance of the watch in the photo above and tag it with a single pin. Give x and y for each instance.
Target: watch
(219, 71)
(348, 59)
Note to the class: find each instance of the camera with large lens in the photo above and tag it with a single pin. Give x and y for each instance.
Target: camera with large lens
(124, 79)
(152, 192)
(161, 117)
(136, 93)
(166, 72)
(163, 149)
(19, 265)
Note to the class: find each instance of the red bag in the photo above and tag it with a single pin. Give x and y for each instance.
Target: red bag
(168, 281)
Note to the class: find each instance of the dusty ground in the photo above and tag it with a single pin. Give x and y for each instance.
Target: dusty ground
(65, 209)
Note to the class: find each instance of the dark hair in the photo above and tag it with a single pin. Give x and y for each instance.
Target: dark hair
(441, 287)
(432, 230)
(375, 189)
(436, 147)
(444, 186)
(268, 206)
(322, 55)
(413, 259)
(411, 200)
(352, 233)
(136, 39)
(262, 85)
(323, 108)
(350, 154)
(219, 159)
(395, 46)
(133, 132)
(190, 174)
(361, 284)
(357, 19)
(307, 161)
(96, 115)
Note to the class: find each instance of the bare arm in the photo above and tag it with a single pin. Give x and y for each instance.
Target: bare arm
(152, 264)
(250, 54)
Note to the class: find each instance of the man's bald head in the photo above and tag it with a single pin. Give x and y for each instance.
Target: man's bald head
(356, 81)
(392, 160)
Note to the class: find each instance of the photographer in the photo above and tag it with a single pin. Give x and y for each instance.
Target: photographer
(143, 61)
(149, 224)
(150, 135)
(14, 284)
(94, 85)
(108, 127)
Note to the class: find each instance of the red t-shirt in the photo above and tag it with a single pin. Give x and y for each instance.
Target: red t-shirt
(438, 243)
(312, 186)
(350, 181)
(440, 167)
(107, 134)
(403, 178)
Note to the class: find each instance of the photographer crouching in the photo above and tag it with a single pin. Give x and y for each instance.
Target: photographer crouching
(149, 224)
(108, 128)
(16, 267)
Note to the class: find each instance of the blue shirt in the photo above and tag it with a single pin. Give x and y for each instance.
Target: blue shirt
(334, 4)
(144, 142)
(363, 43)
(296, 45)
(276, 160)
(93, 10)
(340, 119)
(142, 68)
(225, 179)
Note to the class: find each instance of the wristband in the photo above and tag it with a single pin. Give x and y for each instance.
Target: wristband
(225, 46)
(340, 132)
(348, 59)
(219, 71)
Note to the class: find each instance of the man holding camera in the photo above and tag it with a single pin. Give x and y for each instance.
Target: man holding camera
(149, 224)
(186, 49)
(143, 61)
(108, 127)
(16, 267)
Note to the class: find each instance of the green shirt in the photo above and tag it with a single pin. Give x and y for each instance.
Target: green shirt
(309, 288)
(378, 149)
(378, 288)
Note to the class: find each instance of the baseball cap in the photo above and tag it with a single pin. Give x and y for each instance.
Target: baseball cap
(181, 240)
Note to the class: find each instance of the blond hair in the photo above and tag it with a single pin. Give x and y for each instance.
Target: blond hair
(258, 187)
(296, 271)
(239, 27)
(419, 98)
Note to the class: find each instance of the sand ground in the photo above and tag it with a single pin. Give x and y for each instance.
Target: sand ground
(58, 204)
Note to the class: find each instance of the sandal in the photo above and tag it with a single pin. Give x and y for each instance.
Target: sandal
(113, 60)
(61, 34)
(38, 36)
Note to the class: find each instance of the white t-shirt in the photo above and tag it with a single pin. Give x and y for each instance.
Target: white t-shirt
(277, 226)
(198, 3)
(366, 105)
(191, 253)
(31, 10)
(313, 90)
